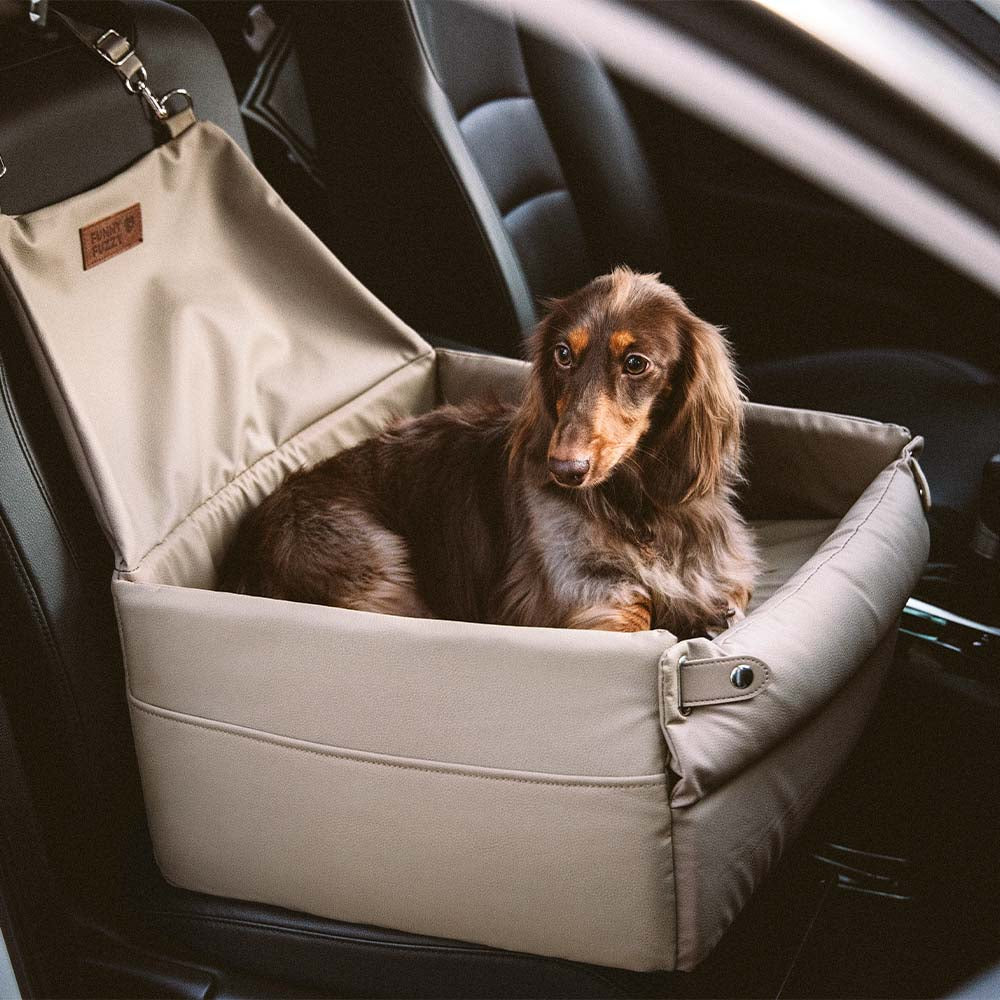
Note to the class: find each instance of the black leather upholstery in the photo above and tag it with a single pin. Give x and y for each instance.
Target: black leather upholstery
(459, 142)
(54, 148)
(514, 129)
(500, 122)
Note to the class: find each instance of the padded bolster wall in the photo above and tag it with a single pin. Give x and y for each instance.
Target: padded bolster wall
(541, 790)
(812, 634)
(726, 842)
(505, 786)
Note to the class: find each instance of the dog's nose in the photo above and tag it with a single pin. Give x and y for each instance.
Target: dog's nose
(569, 472)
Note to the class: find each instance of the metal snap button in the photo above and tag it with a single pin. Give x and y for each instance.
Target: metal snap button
(742, 676)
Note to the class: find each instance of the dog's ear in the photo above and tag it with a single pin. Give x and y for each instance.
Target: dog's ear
(533, 424)
(703, 439)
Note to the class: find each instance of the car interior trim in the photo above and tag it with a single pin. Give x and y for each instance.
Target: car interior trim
(917, 65)
(689, 73)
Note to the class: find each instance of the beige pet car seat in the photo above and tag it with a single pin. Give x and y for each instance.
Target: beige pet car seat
(608, 798)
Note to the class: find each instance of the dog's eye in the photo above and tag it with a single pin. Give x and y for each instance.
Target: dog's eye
(635, 364)
(563, 355)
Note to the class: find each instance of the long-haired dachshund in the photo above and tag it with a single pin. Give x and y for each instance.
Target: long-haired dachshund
(603, 501)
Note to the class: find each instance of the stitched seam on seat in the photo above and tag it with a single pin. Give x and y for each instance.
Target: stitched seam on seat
(269, 928)
(426, 116)
(535, 197)
(673, 751)
(33, 466)
(466, 195)
(28, 588)
(493, 100)
(624, 784)
(755, 619)
(45, 361)
(673, 880)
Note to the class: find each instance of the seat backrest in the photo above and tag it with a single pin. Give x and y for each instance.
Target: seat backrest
(532, 175)
(67, 124)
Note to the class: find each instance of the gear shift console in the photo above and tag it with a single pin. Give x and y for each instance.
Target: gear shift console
(959, 618)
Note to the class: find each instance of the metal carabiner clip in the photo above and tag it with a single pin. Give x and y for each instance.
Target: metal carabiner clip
(138, 85)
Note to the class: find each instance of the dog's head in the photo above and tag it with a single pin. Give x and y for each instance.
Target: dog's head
(627, 379)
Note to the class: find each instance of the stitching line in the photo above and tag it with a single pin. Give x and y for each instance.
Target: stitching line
(836, 552)
(652, 782)
(533, 197)
(457, 948)
(44, 627)
(674, 751)
(492, 100)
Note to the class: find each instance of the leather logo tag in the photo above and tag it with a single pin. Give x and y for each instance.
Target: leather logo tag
(106, 238)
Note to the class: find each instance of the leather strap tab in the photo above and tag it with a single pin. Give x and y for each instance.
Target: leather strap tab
(113, 48)
(117, 51)
(180, 122)
(721, 680)
(695, 673)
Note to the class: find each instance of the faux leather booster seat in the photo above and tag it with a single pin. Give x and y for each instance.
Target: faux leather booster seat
(593, 796)
(495, 155)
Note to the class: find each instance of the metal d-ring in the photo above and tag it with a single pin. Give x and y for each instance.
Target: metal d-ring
(681, 660)
(3, 167)
(178, 92)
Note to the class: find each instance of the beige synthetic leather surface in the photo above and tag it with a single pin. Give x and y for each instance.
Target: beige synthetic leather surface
(812, 634)
(180, 360)
(532, 699)
(726, 843)
(192, 552)
(784, 546)
(571, 870)
(514, 787)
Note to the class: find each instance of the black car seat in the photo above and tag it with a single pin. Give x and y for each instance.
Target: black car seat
(88, 912)
(479, 169)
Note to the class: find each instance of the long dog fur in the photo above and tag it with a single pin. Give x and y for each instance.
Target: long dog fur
(458, 513)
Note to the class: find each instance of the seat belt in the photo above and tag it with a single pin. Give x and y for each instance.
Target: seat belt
(118, 52)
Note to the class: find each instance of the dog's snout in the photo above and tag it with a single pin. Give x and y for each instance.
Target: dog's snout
(569, 472)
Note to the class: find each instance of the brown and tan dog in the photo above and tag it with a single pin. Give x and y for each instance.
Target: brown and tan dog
(604, 501)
